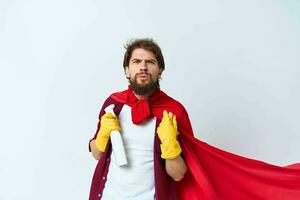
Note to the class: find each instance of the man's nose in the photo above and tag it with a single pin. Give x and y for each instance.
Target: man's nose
(143, 66)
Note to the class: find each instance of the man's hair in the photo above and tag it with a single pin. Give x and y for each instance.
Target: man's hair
(147, 44)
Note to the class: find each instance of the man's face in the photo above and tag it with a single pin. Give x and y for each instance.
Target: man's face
(143, 71)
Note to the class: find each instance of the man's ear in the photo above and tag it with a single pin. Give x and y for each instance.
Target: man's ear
(160, 72)
(126, 72)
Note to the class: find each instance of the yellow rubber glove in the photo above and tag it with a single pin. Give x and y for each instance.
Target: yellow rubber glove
(167, 133)
(109, 123)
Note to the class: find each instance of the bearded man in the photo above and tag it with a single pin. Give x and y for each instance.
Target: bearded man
(153, 152)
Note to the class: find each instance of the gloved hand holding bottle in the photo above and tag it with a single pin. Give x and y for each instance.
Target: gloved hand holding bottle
(109, 123)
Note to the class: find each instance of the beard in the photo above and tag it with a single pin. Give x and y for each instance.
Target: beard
(143, 89)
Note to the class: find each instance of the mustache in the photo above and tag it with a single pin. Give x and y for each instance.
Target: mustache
(142, 73)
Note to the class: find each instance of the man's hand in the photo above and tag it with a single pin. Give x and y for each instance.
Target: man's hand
(109, 123)
(167, 133)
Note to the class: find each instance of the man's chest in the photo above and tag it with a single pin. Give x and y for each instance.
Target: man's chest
(134, 136)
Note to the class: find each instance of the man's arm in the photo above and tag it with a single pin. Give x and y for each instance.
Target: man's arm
(170, 147)
(95, 152)
(176, 168)
(108, 123)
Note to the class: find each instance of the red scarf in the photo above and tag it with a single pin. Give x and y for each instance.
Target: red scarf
(142, 110)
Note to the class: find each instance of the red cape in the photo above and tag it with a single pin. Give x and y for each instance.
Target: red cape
(214, 174)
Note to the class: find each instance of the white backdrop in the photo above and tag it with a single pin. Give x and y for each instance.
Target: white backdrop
(233, 64)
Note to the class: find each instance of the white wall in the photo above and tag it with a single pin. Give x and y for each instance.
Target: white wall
(233, 64)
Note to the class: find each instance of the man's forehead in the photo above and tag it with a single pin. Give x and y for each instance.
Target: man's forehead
(140, 53)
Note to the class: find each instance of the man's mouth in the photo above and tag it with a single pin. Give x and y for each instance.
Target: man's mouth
(143, 76)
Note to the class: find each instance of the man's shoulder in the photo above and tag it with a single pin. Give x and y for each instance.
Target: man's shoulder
(115, 98)
(174, 105)
(117, 105)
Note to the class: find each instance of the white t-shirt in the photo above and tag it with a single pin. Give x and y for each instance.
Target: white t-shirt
(135, 181)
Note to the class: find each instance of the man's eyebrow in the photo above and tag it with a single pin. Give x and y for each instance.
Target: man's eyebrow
(138, 59)
(135, 59)
(152, 59)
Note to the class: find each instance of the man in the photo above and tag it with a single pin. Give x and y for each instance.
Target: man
(165, 161)
(143, 66)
